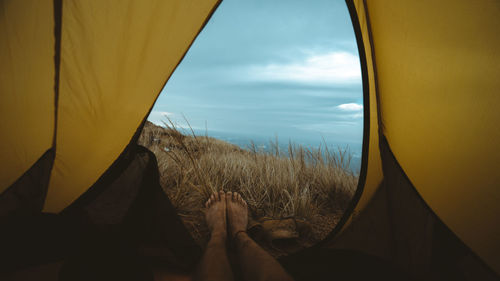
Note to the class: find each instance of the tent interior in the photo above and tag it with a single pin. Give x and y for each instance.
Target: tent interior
(80, 200)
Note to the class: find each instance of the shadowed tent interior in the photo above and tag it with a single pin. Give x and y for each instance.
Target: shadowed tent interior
(80, 197)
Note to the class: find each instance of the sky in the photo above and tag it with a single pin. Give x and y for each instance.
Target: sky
(266, 69)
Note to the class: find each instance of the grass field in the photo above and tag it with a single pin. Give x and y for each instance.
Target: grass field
(295, 197)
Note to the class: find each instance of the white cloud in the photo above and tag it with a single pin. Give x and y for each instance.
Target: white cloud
(329, 68)
(350, 107)
(165, 113)
(158, 117)
(163, 118)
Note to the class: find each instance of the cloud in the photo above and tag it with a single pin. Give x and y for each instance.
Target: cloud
(337, 67)
(163, 118)
(162, 114)
(158, 117)
(350, 107)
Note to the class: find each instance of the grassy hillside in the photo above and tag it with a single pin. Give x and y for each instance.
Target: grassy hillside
(295, 197)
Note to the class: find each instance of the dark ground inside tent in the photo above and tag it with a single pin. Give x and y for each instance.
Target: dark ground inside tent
(294, 202)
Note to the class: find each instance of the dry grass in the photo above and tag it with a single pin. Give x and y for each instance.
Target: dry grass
(312, 185)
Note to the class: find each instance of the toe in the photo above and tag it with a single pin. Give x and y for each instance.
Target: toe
(221, 195)
(235, 196)
(216, 196)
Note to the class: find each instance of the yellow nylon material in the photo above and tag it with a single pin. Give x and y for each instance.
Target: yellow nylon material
(374, 173)
(26, 85)
(115, 58)
(438, 65)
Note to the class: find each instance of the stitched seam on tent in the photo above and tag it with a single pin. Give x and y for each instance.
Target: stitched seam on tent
(379, 116)
(57, 62)
(374, 67)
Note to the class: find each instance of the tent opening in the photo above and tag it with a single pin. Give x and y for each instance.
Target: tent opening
(267, 102)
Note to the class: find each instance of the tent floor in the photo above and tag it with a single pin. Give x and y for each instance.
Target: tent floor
(320, 264)
(334, 264)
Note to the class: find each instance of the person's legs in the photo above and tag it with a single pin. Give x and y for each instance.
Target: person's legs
(256, 264)
(214, 264)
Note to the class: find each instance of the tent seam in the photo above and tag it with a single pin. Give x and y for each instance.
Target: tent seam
(57, 63)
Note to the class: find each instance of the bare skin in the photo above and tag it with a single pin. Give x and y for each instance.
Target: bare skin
(255, 263)
(214, 264)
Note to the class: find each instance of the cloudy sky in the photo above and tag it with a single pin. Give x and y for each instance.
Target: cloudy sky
(271, 68)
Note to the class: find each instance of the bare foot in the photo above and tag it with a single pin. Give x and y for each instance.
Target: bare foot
(215, 215)
(237, 212)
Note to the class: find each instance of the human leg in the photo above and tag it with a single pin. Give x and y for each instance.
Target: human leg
(255, 263)
(214, 264)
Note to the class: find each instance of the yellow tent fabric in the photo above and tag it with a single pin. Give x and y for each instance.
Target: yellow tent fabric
(430, 73)
(115, 59)
(26, 85)
(371, 140)
(437, 66)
